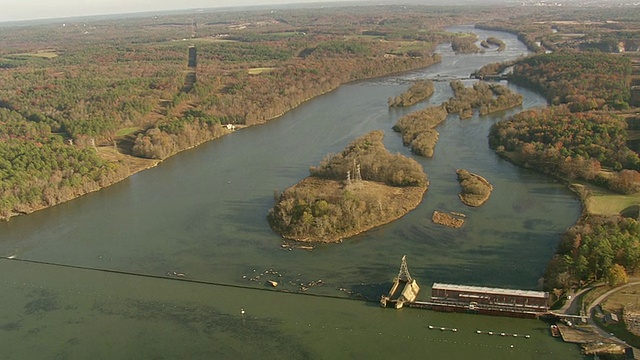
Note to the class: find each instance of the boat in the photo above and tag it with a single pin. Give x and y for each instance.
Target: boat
(555, 331)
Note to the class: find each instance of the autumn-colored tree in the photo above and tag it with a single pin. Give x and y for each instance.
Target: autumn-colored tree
(617, 276)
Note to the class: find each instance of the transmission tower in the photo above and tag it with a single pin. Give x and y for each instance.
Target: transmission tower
(404, 271)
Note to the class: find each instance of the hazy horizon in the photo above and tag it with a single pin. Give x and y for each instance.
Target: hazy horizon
(60, 9)
(27, 10)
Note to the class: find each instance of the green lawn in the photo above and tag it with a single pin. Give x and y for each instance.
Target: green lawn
(408, 46)
(127, 131)
(604, 202)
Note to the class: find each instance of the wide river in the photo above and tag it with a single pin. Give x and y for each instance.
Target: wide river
(69, 292)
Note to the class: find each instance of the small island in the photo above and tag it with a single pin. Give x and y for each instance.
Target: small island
(475, 189)
(418, 129)
(363, 187)
(420, 90)
(493, 41)
(452, 220)
(488, 98)
(465, 44)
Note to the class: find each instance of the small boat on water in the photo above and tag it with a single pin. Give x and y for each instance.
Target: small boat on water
(555, 331)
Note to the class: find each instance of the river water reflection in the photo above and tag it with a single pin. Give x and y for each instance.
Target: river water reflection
(203, 213)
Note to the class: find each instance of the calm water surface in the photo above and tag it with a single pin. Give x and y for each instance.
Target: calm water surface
(203, 213)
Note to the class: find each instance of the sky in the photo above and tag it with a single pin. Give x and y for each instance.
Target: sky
(17, 10)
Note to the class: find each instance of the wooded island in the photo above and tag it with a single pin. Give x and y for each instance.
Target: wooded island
(348, 193)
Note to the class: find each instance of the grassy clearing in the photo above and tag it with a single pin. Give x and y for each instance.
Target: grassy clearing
(127, 131)
(38, 54)
(258, 71)
(135, 164)
(408, 46)
(627, 297)
(285, 34)
(605, 202)
(624, 298)
(212, 40)
(368, 37)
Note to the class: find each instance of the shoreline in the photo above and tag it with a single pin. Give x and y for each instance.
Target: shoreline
(156, 162)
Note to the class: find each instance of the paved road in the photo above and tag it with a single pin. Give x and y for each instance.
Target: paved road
(601, 332)
(571, 307)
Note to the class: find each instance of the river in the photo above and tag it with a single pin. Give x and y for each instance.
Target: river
(202, 213)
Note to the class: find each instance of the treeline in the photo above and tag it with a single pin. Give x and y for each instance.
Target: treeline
(570, 145)
(578, 135)
(113, 75)
(173, 135)
(598, 248)
(582, 80)
(418, 129)
(38, 169)
(344, 195)
(418, 91)
(487, 97)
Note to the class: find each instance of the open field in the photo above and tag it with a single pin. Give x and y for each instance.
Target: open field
(45, 54)
(127, 131)
(605, 202)
(627, 297)
(408, 46)
(135, 164)
(258, 71)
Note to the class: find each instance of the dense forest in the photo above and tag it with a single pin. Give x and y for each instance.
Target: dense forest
(603, 248)
(94, 87)
(566, 144)
(350, 192)
(576, 146)
(583, 81)
(583, 136)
